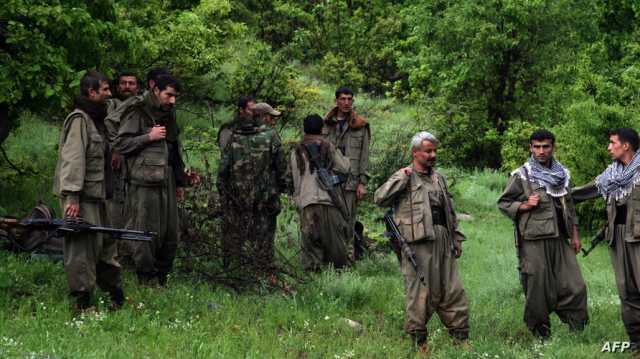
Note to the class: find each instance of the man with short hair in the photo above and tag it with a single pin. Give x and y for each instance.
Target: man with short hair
(618, 186)
(350, 134)
(537, 200)
(424, 213)
(152, 76)
(244, 113)
(149, 139)
(81, 184)
(265, 113)
(127, 86)
(323, 216)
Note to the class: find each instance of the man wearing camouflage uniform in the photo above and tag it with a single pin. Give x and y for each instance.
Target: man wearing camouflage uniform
(350, 134)
(618, 186)
(266, 114)
(323, 222)
(126, 94)
(149, 139)
(423, 211)
(245, 112)
(81, 182)
(536, 199)
(252, 174)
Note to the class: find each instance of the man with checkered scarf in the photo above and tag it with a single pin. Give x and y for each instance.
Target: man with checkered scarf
(538, 201)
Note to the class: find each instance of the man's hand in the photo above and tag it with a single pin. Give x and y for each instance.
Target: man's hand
(575, 241)
(72, 210)
(158, 133)
(457, 249)
(532, 202)
(193, 176)
(361, 190)
(116, 161)
(407, 171)
(179, 194)
(576, 245)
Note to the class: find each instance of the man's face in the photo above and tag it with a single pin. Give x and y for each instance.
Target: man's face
(542, 151)
(127, 86)
(344, 103)
(269, 119)
(425, 155)
(101, 94)
(247, 111)
(166, 97)
(616, 148)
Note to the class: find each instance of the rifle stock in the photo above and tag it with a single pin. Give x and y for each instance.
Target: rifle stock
(599, 237)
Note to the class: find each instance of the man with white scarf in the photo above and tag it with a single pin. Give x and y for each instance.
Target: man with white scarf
(618, 186)
(537, 200)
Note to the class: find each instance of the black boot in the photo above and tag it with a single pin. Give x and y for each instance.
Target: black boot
(117, 299)
(83, 301)
(542, 331)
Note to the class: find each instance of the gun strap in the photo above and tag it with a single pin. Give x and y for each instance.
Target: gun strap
(413, 236)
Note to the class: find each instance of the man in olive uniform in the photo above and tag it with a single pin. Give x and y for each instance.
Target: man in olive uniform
(423, 211)
(618, 186)
(350, 133)
(127, 89)
(245, 112)
(252, 174)
(537, 200)
(81, 183)
(323, 222)
(149, 139)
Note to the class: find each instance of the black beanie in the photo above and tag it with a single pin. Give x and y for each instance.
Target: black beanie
(313, 125)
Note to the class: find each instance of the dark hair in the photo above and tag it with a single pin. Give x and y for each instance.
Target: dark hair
(153, 74)
(541, 135)
(343, 91)
(313, 124)
(164, 81)
(627, 135)
(91, 81)
(243, 101)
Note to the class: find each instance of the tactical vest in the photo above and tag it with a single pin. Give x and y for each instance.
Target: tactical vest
(93, 185)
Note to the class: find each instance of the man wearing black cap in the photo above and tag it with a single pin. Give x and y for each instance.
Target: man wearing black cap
(323, 213)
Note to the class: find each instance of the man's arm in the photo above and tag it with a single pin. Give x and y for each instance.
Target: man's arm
(73, 164)
(130, 138)
(512, 198)
(584, 193)
(364, 157)
(386, 195)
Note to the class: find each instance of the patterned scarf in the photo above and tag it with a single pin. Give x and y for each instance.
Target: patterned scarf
(555, 180)
(618, 180)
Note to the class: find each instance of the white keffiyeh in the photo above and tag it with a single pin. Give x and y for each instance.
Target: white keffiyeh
(554, 179)
(618, 180)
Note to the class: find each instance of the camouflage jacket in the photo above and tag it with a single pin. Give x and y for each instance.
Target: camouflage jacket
(353, 142)
(80, 171)
(253, 168)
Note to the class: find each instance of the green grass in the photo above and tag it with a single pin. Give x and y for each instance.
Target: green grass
(192, 319)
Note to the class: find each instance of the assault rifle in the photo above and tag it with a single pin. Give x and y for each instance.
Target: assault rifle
(330, 182)
(75, 225)
(599, 237)
(400, 244)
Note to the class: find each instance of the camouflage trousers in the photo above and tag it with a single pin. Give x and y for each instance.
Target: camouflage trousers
(443, 293)
(89, 258)
(248, 239)
(324, 233)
